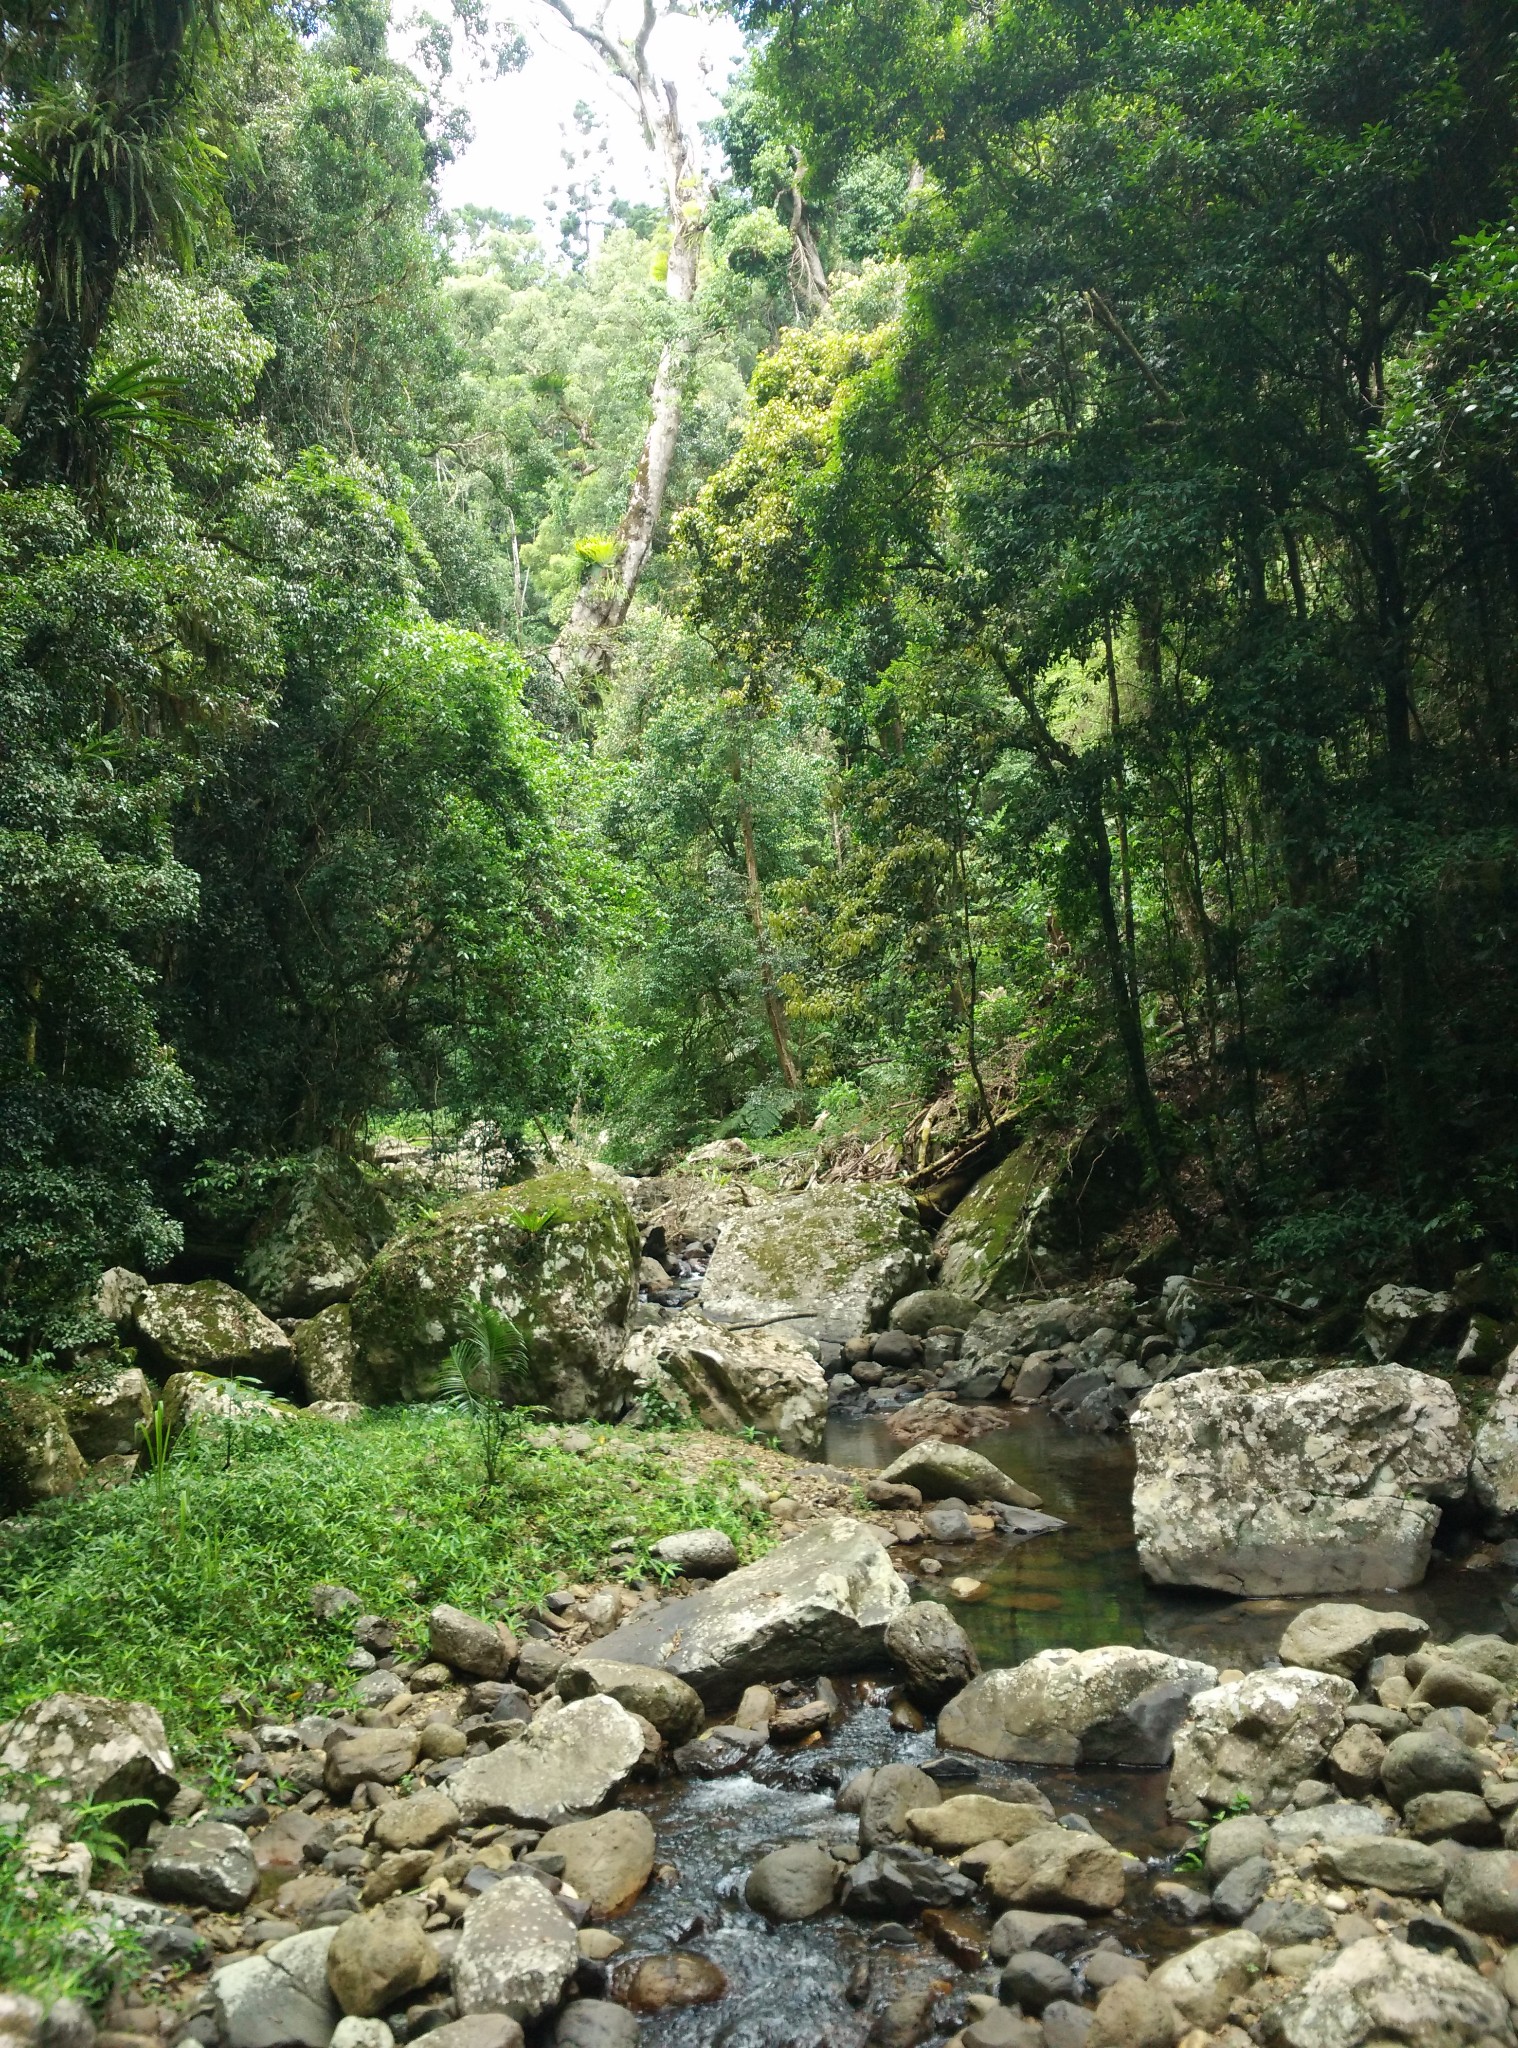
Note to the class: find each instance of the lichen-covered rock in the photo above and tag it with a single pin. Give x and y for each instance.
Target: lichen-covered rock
(39, 1460)
(563, 1767)
(106, 1407)
(1203, 1983)
(1386, 1992)
(830, 1261)
(1257, 1737)
(732, 1380)
(821, 1602)
(1401, 1322)
(325, 1354)
(1038, 1208)
(558, 1255)
(1114, 1705)
(86, 1750)
(1328, 1486)
(206, 1326)
(1494, 1465)
(199, 1400)
(117, 1294)
(315, 1244)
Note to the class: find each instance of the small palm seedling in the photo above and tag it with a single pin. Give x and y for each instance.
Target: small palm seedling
(157, 1440)
(487, 1372)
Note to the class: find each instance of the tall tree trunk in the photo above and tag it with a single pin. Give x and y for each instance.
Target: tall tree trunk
(601, 605)
(82, 220)
(774, 1007)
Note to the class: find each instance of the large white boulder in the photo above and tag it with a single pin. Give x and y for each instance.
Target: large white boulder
(1494, 1467)
(1380, 1992)
(1330, 1485)
(75, 1749)
(564, 1766)
(1115, 1705)
(558, 1254)
(828, 1263)
(1257, 1737)
(821, 1602)
(732, 1380)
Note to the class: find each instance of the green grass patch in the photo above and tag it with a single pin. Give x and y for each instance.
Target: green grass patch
(48, 1948)
(182, 1589)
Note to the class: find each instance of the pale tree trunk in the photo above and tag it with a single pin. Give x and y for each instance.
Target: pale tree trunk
(809, 280)
(602, 602)
(774, 1007)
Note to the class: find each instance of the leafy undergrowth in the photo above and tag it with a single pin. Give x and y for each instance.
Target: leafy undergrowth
(194, 1584)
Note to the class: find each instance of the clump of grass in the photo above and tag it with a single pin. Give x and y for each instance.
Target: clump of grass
(48, 1948)
(181, 1592)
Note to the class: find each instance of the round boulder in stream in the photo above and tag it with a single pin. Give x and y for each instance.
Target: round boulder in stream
(793, 1883)
(659, 1982)
(933, 1650)
(1113, 1705)
(944, 1471)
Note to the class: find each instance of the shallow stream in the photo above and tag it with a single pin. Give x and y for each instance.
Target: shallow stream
(1076, 1588)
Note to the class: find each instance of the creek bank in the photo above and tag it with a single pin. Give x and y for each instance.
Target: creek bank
(928, 1892)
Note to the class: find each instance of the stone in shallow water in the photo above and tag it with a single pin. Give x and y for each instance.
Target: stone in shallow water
(680, 1978)
(1115, 1704)
(821, 1601)
(1327, 1486)
(1056, 1867)
(941, 1471)
(793, 1883)
(1034, 1980)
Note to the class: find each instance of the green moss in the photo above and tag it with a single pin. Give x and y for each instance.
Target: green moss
(557, 1253)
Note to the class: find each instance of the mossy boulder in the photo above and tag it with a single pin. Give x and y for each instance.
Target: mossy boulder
(208, 1327)
(1037, 1217)
(39, 1460)
(826, 1263)
(558, 1254)
(732, 1380)
(325, 1353)
(105, 1404)
(315, 1244)
(196, 1400)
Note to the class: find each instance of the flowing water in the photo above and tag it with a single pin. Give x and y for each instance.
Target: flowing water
(1078, 1587)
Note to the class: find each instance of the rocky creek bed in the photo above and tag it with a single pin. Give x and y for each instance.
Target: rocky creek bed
(370, 1887)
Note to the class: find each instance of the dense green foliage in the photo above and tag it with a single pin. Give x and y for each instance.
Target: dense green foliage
(1074, 672)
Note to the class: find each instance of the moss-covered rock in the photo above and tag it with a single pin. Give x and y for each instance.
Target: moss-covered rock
(732, 1380)
(105, 1404)
(1034, 1219)
(828, 1262)
(208, 1327)
(314, 1246)
(557, 1254)
(194, 1400)
(325, 1353)
(39, 1460)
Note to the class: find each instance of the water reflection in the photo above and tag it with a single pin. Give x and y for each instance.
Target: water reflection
(1082, 1585)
